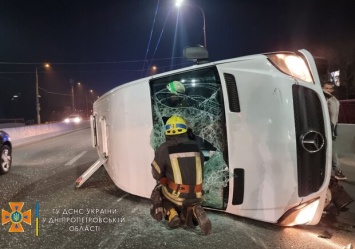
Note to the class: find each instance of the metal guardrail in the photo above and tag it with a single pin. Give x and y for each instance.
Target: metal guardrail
(12, 121)
(347, 111)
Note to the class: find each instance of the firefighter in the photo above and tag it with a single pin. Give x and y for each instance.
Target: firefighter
(178, 166)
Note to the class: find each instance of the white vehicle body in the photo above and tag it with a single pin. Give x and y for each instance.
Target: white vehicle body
(268, 120)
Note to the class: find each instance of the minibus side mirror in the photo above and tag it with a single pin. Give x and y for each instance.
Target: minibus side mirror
(196, 54)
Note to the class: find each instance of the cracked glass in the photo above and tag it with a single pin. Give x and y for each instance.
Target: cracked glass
(196, 96)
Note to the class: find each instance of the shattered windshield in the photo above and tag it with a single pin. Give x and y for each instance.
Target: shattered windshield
(196, 96)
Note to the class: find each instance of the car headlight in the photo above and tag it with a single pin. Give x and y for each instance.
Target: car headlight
(300, 215)
(292, 65)
(76, 120)
(66, 120)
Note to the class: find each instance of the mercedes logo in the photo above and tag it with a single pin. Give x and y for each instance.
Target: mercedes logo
(312, 141)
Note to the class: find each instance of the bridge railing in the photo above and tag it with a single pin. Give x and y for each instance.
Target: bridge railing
(347, 111)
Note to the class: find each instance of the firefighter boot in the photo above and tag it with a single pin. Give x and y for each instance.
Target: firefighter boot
(174, 219)
(187, 218)
(202, 219)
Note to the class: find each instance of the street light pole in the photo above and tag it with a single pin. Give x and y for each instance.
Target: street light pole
(87, 102)
(179, 3)
(204, 24)
(72, 95)
(38, 108)
(37, 99)
(72, 99)
(87, 107)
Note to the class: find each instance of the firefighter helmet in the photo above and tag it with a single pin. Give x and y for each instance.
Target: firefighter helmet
(176, 87)
(175, 125)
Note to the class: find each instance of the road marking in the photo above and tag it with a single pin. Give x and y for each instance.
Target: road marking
(121, 198)
(134, 210)
(75, 158)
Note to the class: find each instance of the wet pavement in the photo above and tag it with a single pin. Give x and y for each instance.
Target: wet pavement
(100, 215)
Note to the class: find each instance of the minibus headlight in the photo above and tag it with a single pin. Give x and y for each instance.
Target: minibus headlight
(292, 65)
(300, 215)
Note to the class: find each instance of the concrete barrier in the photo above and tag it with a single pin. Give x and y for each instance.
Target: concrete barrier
(31, 133)
(11, 125)
(345, 142)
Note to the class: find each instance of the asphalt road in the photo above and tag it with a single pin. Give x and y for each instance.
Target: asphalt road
(100, 215)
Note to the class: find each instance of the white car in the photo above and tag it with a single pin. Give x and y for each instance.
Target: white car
(5, 151)
(73, 119)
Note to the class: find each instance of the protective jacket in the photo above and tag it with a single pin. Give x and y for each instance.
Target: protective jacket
(178, 165)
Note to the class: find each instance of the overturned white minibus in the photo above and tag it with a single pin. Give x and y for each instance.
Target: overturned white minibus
(261, 121)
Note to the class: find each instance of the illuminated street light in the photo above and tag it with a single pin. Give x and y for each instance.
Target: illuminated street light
(72, 84)
(87, 102)
(178, 3)
(153, 70)
(82, 92)
(38, 108)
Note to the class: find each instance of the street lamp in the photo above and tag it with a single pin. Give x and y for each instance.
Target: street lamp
(72, 84)
(153, 70)
(178, 3)
(82, 92)
(38, 108)
(86, 100)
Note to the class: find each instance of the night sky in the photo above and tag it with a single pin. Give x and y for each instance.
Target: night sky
(103, 44)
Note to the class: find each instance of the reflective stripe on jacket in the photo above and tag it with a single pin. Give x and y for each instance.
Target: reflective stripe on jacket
(181, 161)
